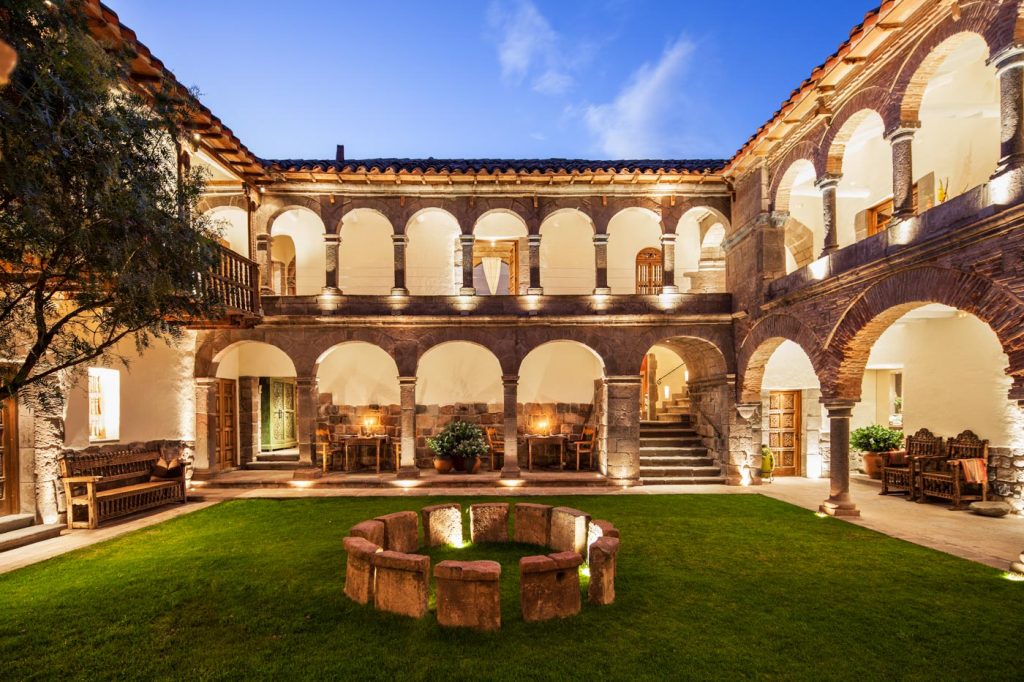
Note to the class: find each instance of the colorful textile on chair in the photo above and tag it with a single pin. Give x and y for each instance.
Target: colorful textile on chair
(975, 470)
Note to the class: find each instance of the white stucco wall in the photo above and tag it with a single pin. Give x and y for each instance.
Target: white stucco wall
(458, 372)
(668, 360)
(629, 232)
(233, 224)
(789, 369)
(307, 233)
(359, 374)
(559, 372)
(157, 395)
(867, 176)
(430, 254)
(255, 360)
(567, 254)
(366, 255)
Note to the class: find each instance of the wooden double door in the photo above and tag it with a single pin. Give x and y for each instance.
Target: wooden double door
(277, 414)
(9, 503)
(227, 424)
(784, 431)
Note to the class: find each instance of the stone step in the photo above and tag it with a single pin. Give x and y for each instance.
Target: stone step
(273, 465)
(26, 536)
(15, 522)
(277, 457)
(701, 480)
(670, 418)
(648, 424)
(668, 431)
(676, 461)
(679, 472)
(671, 442)
(692, 450)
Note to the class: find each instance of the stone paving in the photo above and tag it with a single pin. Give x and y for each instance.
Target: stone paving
(990, 541)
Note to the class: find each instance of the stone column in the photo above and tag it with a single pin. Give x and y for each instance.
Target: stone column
(305, 417)
(839, 502)
(668, 263)
(1010, 69)
(535, 288)
(601, 264)
(331, 244)
(510, 468)
(248, 419)
(264, 256)
(399, 240)
(901, 140)
(407, 397)
(623, 434)
(206, 422)
(828, 185)
(466, 240)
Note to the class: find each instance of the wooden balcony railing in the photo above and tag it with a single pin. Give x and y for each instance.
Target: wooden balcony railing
(235, 283)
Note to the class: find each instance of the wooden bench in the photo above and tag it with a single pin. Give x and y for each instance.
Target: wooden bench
(900, 468)
(944, 477)
(110, 485)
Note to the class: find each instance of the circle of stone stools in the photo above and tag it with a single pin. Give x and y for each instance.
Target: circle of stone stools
(383, 568)
(993, 509)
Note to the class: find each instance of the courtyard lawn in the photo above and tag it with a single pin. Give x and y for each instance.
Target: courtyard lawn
(717, 586)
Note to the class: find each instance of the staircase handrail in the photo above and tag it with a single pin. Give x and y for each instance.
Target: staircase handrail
(680, 366)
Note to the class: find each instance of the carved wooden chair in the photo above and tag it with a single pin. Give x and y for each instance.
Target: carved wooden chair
(961, 476)
(495, 447)
(586, 447)
(900, 468)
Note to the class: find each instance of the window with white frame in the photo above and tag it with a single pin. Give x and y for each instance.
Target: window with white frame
(104, 404)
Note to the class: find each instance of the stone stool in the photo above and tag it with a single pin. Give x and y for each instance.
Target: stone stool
(442, 525)
(488, 522)
(402, 583)
(532, 523)
(401, 531)
(370, 530)
(568, 530)
(469, 594)
(359, 569)
(603, 553)
(549, 586)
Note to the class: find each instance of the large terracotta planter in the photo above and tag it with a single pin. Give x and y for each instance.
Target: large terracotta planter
(469, 466)
(873, 465)
(443, 466)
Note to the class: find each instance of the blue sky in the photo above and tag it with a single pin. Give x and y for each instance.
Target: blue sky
(497, 78)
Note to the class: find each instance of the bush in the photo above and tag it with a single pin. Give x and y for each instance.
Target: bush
(459, 440)
(876, 438)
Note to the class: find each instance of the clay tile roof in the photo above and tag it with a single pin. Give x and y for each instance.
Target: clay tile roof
(491, 166)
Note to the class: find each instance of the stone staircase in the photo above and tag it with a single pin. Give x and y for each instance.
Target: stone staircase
(675, 410)
(275, 461)
(18, 530)
(671, 453)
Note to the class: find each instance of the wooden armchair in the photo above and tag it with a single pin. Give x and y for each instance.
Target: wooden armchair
(586, 446)
(496, 447)
(899, 469)
(963, 469)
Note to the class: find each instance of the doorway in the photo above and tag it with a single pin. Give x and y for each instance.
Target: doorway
(227, 434)
(277, 414)
(784, 431)
(9, 503)
(495, 267)
(649, 271)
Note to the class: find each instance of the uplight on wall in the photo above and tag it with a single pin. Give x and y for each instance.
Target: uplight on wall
(819, 268)
(904, 231)
(104, 404)
(813, 465)
(668, 392)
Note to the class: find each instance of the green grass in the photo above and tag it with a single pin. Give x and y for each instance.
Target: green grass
(726, 586)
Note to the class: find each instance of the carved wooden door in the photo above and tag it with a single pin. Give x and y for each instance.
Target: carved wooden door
(784, 431)
(227, 434)
(8, 457)
(648, 271)
(277, 402)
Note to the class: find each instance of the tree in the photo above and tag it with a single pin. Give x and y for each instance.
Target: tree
(100, 239)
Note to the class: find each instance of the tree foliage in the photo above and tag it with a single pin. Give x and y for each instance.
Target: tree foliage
(99, 237)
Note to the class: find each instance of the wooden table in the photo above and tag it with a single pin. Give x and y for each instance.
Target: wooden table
(378, 443)
(560, 441)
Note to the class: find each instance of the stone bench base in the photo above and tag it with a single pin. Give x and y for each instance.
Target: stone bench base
(469, 594)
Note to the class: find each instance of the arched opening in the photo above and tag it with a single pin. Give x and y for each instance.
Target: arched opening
(567, 253)
(630, 232)
(804, 228)
(253, 410)
(939, 368)
(283, 266)
(664, 395)
(791, 415)
(649, 271)
(433, 256)
(366, 254)
(359, 396)
(305, 230)
(864, 194)
(561, 385)
(501, 264)
(957, 146)
(699, 254)
(233, 224)
(455, 380)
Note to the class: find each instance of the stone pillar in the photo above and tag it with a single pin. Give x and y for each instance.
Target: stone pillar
(828, 185)
(399, 240)
(466, 240)
(510, 468)
(1010, 69)
(622, 460)
(839, 502)
(331, 244)
(534, 245)
(668, 263)
(248, 419)
(601, 264)
(407, 397)
(264, 255)
(206, 422)
(901, 140)
(305, 418)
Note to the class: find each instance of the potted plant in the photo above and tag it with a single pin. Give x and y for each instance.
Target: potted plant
(460, 443)
(873, 441)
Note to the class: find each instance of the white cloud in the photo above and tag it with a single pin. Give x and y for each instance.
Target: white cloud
(632, 125)
(528, 48)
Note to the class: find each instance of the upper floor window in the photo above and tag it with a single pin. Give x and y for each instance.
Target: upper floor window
(104, 404)
(494, 267)
(648, 271)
